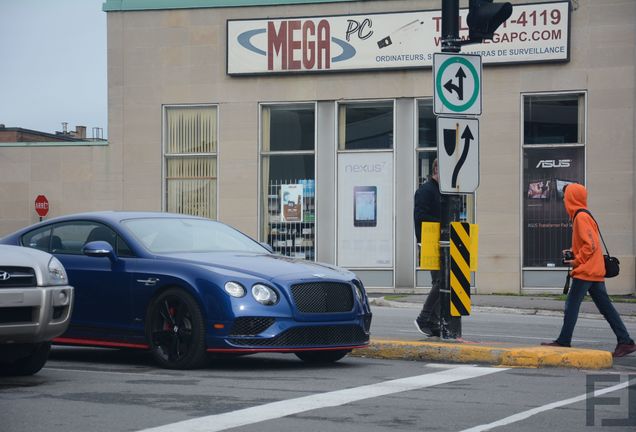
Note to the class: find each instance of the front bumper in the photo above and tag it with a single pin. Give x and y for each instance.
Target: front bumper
(34, 314)
(289, 335)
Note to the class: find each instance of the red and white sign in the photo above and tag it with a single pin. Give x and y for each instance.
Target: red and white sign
(42, 205)
(536, 32)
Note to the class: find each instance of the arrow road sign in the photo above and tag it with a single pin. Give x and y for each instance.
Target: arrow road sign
(458, 154)
(457, 84)
(459, 89)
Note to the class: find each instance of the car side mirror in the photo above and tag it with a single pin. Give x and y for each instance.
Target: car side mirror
(99, 249)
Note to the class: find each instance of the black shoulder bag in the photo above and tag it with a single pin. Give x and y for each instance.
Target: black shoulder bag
(612, 264)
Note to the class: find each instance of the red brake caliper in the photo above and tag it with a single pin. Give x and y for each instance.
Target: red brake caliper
(166, 325)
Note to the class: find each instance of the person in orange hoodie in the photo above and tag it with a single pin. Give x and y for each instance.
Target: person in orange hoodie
(588, 274)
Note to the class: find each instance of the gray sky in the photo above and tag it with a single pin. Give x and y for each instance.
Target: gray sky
(53, 64)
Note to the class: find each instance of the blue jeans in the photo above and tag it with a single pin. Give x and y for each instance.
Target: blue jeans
(603, 303)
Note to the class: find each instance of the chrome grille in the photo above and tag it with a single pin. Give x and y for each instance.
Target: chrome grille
(11, 277)
(323, 297)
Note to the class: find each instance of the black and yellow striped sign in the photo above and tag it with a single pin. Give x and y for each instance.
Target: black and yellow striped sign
(460, 248)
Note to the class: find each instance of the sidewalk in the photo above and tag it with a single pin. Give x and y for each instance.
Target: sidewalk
(517, 304)
(495, 353)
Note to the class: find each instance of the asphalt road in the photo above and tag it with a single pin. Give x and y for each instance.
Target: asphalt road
(101, 390)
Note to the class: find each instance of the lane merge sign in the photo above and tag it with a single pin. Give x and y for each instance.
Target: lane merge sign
(457, 84)
(458, 154)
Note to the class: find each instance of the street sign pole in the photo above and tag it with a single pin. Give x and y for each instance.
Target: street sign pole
(457, 90)
(450, 26)
(450, 327)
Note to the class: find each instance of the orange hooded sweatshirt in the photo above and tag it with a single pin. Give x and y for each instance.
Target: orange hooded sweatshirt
(588, 261)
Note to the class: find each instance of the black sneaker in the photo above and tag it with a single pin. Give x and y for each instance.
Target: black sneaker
(425, 330)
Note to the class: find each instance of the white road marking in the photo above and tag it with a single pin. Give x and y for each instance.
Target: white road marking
(289, 407)
(526, 414)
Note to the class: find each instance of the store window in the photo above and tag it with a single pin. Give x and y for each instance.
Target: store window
(426, 140)
(553, 156)
(365, 185)
(190, 160)
(365, 126)
(288, 134)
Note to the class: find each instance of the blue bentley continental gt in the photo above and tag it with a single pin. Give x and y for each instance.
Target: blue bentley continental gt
(183, 286)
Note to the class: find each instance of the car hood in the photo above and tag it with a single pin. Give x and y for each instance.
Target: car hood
(21, 256)
(266, 266)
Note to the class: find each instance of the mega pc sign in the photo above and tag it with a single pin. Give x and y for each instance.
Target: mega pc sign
(401, 40)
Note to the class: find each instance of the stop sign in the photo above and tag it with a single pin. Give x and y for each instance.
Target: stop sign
(41, 205)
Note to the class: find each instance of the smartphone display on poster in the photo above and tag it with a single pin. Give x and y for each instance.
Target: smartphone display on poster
(365, 206)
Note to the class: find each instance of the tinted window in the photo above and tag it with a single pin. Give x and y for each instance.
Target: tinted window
(426, 124)
(366, 126)
(290, 128)
(38, 239)
(551, 119)
(73, 236)
(70, 238)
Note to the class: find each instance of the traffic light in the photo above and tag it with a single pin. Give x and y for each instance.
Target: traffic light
(484, 17)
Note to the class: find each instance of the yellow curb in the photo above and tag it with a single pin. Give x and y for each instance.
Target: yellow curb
(494, 354)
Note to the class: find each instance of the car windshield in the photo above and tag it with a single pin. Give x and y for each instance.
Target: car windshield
(169, 235)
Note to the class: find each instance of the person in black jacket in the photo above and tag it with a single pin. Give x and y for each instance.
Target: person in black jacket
(427, 208)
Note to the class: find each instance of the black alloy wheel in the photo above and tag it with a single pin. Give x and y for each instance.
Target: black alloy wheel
(175, 330)
(317, 357)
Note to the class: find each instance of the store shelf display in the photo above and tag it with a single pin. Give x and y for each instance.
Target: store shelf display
(295, 238)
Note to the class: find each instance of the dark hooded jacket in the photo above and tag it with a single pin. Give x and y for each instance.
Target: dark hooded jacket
(588, 261)
(427, 206)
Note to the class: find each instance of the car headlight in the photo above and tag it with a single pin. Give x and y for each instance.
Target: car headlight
(234, 289)
(57, 274)
(359, 294)
(264, 294)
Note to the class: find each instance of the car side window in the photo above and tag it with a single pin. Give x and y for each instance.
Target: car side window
(122, 249)
(70, 238)
(73, 236)
(38, 239)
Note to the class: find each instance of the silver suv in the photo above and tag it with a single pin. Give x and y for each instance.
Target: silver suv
(35, 307)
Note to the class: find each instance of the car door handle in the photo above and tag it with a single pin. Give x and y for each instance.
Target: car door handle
(148, 282)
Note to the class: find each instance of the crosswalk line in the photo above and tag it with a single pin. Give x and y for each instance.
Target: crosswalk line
(529, 413)
(274, 410)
